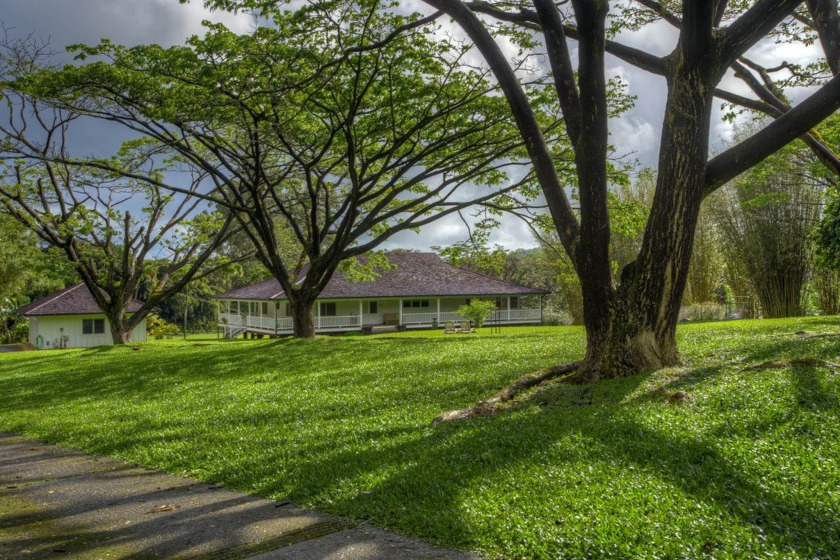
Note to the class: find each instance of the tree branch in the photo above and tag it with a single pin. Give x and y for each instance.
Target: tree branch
(752, 26)
(793, 124)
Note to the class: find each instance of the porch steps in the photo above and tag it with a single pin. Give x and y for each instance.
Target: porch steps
(233, 332)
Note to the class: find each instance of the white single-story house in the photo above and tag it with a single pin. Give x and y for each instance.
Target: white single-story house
(70, 318)
(422, 291)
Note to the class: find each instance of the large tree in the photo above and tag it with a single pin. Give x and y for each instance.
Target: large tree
(631, 320)
(118, 228)
(340, 125)
(631, 323)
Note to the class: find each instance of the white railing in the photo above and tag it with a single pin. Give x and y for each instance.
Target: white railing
(337, 321)
(231, 319)
(262, 323)
(348, 321)
(233, 332)
(519, 314)
(412, 318)
(502, 315)
(408, 318)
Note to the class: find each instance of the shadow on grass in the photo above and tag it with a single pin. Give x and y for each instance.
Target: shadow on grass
(414, 476)
(417, 486)
(813, 391)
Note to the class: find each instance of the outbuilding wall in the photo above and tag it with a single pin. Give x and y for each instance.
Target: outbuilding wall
(53, 327)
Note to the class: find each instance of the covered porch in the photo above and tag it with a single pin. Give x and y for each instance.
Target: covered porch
(273, 317)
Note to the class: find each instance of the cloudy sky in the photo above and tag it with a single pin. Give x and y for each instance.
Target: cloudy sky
(168, 22)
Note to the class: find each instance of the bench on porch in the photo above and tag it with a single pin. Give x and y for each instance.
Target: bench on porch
(375, 329)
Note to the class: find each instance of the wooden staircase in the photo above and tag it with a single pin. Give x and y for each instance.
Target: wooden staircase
(233, 331)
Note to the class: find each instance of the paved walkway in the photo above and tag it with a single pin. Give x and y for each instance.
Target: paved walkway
(60, 503)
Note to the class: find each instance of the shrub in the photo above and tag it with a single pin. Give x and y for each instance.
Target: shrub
(702, 312)
(477, 311)
(14, 329)
(159, 329)
(556, 317)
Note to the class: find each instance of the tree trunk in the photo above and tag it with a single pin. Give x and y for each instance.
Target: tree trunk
(120, 329)
(303, 315)
(640, 333)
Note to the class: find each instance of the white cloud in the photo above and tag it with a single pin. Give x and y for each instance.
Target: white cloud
(128, 22)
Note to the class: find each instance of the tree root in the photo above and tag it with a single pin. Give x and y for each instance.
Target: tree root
(809, 335)
(491, 405)
(783, 363)
(673, 397)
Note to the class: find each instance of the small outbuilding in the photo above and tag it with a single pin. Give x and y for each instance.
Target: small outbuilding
(70, 318)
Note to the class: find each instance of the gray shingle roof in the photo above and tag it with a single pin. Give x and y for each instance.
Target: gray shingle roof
(75, 300)
(416, 275)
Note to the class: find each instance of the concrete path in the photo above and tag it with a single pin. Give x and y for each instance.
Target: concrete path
(60, 503)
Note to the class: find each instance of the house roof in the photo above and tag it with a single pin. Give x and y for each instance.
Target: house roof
(415, 275)
(75, 300)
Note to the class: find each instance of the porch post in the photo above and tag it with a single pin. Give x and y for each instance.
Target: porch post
(541, 319)
(317, 314)
(276, 317)
(508, 309)
(400, 311)
(361, 313)
(438, 311)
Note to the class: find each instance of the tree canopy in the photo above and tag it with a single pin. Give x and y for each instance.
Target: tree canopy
(338, 126)
(113, 222)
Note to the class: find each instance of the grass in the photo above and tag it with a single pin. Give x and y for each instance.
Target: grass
(747, 466)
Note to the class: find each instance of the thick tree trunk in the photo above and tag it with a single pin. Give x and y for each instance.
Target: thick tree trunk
(640, 333)
(120, 329)
(303, 315)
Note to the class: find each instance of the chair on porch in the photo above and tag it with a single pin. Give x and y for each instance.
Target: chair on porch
(465, 327)
(449, 327)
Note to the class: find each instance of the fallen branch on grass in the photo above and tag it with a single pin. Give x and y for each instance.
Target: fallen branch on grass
(808, 334)
(490, 406)
(783, 363)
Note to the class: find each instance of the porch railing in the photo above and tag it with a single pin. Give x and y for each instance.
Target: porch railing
(502, 315)
(337, 321)
(349, 321)
(262, 323)
(422, 318)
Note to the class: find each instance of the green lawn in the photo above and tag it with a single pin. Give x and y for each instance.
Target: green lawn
(747, 467)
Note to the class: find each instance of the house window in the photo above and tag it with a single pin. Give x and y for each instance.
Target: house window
(328, 309)
(93, 326)
(373, 307)
(514, 303)
(415, 303)
(287, 310)
(265, 309)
